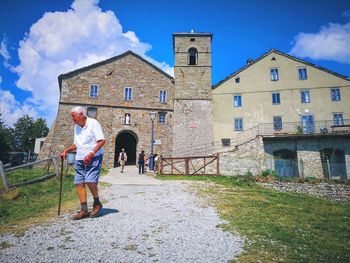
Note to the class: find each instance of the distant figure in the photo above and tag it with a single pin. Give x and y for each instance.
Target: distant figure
(141, 162)
(122, 159)
(156, 162)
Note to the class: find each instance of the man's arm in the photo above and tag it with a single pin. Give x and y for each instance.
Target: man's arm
(71, 148)
(90, 155)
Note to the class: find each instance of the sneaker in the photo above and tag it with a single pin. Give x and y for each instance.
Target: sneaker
(82, 214)
(95, 210)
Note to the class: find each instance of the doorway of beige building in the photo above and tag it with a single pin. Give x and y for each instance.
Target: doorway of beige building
(128, 141)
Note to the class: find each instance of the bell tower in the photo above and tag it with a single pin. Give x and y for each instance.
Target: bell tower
(193, 131)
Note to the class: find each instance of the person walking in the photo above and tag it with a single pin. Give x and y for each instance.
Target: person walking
(123, 157)
(141, 162)
(88, 144)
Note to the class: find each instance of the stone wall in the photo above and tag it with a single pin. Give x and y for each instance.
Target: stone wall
(112, 76)
(257, 155)
(192, 128)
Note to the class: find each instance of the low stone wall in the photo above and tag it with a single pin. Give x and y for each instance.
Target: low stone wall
(336, 192)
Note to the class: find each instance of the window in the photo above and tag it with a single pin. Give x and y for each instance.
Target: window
(338, 119)
(127, 93)
(277, 123)
(274, 74)
(302, 73)
(161, 117)
(192, 56)
(226, 142)
(335, 94)
(276, 98)
(237, 101)
(127, 119)
(93, 91)
(162, 96)
(237, 80)
(305, 96)
(238, 124)
(91, 112)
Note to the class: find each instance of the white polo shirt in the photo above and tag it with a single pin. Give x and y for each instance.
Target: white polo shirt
(86, 138)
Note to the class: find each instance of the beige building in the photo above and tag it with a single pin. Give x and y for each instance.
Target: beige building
(280, 93)
(299, 111)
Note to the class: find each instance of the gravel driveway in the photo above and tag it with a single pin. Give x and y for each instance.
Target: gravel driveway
(143, 220)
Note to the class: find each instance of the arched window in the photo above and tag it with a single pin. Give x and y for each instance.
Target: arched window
(192, 56)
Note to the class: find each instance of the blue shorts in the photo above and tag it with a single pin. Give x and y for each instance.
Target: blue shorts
(89, 173)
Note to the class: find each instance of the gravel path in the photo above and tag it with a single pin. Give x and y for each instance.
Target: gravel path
(143, 220)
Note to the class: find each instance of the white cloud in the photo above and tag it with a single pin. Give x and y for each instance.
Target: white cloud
(11, 109)
(332, 42)
(60, 42)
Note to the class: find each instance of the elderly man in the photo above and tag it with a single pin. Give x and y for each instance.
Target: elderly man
(88, 142)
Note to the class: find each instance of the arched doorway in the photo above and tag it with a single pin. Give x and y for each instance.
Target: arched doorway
(128, 141)
(286, 163)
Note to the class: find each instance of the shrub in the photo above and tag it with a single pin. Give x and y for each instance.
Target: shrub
(268, 172)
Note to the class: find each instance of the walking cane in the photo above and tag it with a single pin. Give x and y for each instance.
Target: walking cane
(60, 197)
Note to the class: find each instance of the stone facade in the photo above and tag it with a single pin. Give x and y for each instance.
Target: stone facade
(112, 77)
(259, 154)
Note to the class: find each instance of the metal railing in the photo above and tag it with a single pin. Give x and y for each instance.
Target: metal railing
(299, 128)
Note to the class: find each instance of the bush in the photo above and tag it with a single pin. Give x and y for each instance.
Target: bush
(269, 172)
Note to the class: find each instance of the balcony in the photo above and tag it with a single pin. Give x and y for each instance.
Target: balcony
(327, 128)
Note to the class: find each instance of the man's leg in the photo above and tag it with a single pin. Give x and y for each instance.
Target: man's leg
(81, 190)
(97, 203)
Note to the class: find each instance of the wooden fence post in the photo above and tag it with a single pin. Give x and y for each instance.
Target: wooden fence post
(53, 158)
(3, 176)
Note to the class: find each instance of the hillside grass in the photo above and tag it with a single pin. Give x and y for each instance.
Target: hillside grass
(279, 227)
(26, 205)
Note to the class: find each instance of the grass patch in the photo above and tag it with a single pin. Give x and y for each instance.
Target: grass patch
(24, 205)
(282, 227)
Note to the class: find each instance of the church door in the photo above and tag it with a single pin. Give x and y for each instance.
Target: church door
(128, 141)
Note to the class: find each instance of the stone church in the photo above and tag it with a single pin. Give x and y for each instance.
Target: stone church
(122, 91)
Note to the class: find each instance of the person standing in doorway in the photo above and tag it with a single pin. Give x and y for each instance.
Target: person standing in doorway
(141, 162)
(88, 143)
(122, 159)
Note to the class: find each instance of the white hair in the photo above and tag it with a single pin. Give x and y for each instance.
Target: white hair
(79, 109)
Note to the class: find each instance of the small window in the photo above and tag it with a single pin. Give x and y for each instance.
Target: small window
(192, 56)
(302, 73)
(274, 74)
(93, 91)
(338, 119)
(277, 123)
(237, 101)
(127, 119)
(192, 39)
(91, 112)
(162, 96)
(276, 98)
(237, 80)
(127, 93)
(305, 96)
(162, 117)
(238, 124)
(226, 142)
(335, 95)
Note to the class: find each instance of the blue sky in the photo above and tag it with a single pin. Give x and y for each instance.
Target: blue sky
(41, 39)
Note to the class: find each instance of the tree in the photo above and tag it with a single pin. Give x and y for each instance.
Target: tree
(5, 141)
(25, 132)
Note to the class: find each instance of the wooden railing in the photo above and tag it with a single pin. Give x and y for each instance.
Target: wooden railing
(195, 165)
